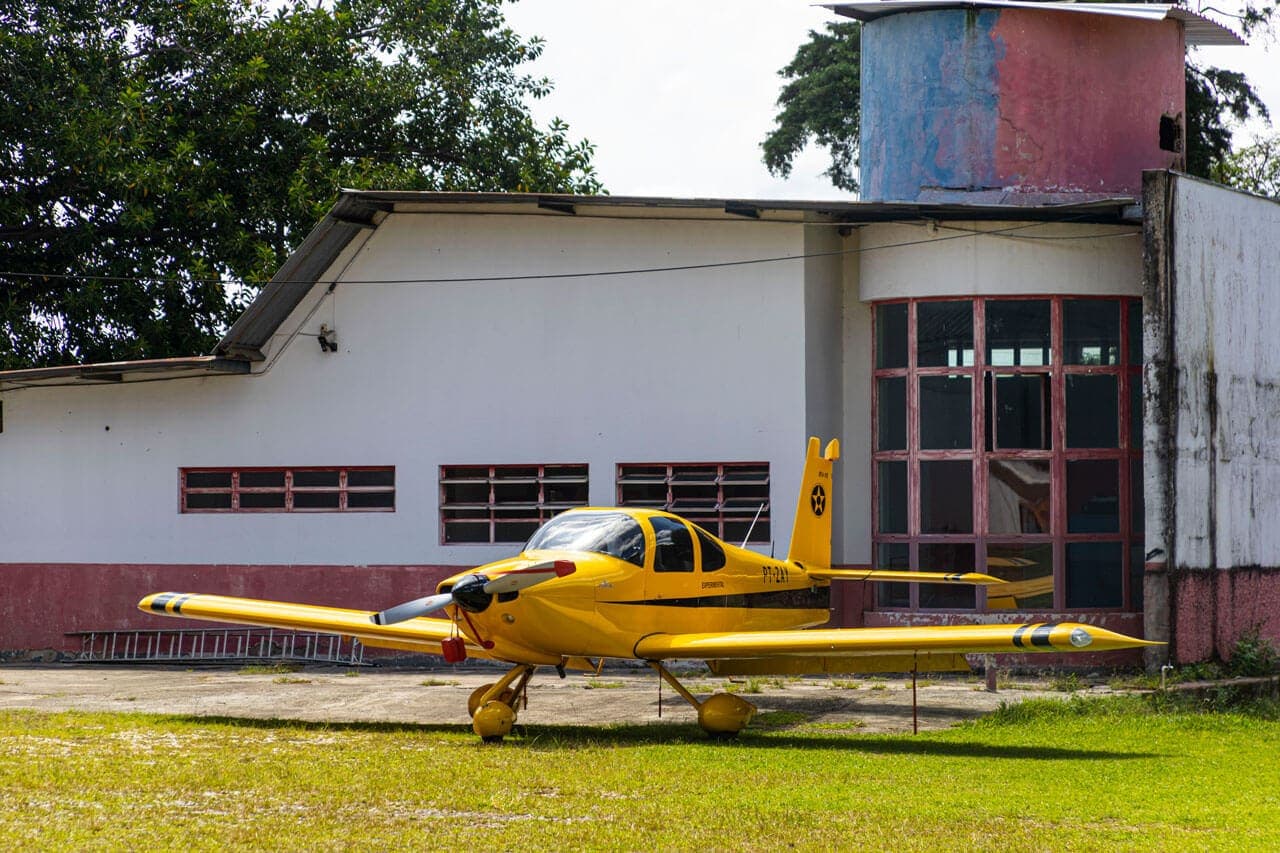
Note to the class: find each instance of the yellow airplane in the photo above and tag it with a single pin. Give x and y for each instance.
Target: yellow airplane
(597, 583)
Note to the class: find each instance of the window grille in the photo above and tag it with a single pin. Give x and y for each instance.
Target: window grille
(309, 489)
(505, 503)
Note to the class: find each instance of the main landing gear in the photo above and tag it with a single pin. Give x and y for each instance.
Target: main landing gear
(721, 716)
(493, 706)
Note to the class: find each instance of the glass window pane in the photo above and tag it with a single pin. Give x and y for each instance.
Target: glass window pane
(946, 497)
(1018, 332)
(1091, 331)
(947, 557)
(946, 413)
(262, 500)
(1018, 496)
(1137, 576)
(208, 479)
(1022, 412)
(1028, 570)
(370, 500)
(1135, 410)
(1093, 489)
(1135, 332)
(1137, 497)
(262, 479)
(1092, 411)
(944, 334)
(897, 556)
(315, 500)
(891, 412)
(1094, 574)
(216, 500)
(892, 502)
(382, 477)
(315, 478)
(891, 335)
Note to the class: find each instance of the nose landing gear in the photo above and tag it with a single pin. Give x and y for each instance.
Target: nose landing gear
(493, 706)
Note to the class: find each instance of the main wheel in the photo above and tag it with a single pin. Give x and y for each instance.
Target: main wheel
(493, 721)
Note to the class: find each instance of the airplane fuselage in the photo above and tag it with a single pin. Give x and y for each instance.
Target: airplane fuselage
(610, 602)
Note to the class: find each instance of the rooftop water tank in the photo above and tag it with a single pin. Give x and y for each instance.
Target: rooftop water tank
(1021, 102)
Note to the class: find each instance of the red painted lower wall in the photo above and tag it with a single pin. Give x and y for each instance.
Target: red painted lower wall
(1210, 609)
(40, 603)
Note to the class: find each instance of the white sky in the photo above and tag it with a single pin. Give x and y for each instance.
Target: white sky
(678, 94)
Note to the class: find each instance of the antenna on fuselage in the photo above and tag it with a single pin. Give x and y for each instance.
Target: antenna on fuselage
(747, 538)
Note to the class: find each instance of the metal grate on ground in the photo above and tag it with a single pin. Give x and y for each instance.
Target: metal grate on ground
(214, 646)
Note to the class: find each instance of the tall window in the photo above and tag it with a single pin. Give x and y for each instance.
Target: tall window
(730, 500)
(1009, 440)
(505, 503)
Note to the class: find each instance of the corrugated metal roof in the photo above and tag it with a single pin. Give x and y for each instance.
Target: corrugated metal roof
(119, 372)
(1199, 29)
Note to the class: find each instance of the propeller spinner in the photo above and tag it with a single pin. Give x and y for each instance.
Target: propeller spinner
(474, 592)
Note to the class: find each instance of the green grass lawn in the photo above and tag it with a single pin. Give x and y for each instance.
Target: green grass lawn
(1083, 774)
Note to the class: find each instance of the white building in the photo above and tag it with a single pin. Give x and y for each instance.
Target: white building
(557, 349)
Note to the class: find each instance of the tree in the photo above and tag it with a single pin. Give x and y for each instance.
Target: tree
(155, 152)
(1255, 168)
(821, 102)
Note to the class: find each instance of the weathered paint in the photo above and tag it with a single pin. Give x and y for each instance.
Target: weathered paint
(1211, 397)
(42, 602)
(959, 102)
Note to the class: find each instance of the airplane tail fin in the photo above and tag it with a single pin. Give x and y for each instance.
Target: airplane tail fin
(811, 535)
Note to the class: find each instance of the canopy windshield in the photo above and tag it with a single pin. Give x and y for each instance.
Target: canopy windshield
(614, 533)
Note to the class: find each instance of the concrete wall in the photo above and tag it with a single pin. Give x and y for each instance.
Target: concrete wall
(694, 365)
(965, 259)
(1212, 439)
(957, 102)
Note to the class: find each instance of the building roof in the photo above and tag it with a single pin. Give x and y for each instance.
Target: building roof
(358, 212)
(1199, 29)
(118, 372)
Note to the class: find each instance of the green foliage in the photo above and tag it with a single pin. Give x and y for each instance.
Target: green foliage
(821, 103)
(1254, 168)
(1067, 682)
(1217, 100)
(1253, 655)
(153, 151)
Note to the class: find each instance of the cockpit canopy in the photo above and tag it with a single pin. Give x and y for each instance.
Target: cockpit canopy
(613, 533)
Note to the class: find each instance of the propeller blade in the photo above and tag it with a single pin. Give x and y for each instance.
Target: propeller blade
(411, 609)
(518, 579)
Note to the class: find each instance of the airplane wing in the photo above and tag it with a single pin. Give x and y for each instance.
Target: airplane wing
(854, 642)
(869, 574)
(417, 635)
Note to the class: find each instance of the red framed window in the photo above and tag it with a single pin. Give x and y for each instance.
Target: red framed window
(505, 503)
(724, 498)
(1008, 439)
(306, 489)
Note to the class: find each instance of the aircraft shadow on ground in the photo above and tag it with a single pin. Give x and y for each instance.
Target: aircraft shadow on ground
(569, 737)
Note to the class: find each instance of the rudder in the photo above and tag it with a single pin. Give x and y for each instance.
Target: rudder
(811, 533)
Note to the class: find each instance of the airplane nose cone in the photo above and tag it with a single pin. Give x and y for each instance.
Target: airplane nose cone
(469, 594)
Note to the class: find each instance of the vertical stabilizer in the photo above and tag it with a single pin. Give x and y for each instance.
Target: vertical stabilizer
(811, 535)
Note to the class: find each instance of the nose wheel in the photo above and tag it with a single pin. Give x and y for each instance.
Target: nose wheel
(493, 706)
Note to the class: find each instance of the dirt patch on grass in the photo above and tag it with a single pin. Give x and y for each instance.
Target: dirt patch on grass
(439, 696)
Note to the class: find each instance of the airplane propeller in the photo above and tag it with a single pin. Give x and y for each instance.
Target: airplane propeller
(474, 593)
